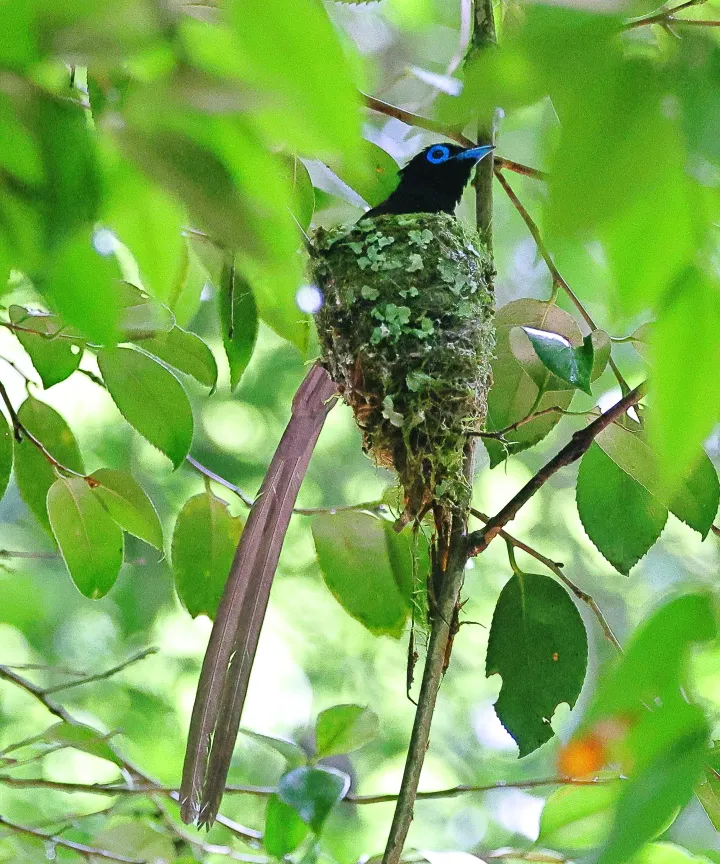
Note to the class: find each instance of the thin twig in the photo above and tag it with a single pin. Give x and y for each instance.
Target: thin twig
(553, 409)
(371, 506)
(446, 131)
(556, 568)
(580, 442)
(101, 676)
(554, 272)
(149, 790)
(662, 16)
(81, 849)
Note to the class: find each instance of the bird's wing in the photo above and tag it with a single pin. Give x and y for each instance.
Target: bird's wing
(231, 650)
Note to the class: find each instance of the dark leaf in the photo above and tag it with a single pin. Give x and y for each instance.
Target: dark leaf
(572, 364)
(538, 644)
(313, 792)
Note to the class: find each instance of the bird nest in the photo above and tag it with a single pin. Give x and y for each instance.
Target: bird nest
(406, 333)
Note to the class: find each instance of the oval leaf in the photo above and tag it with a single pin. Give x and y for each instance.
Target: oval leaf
(51, 354)
(150, 398)
(238, 319)
(185, 352)
(128, 504)
(313, 792)
(344, 728)
(284, 829)
(573, 365)
(353, 557)
(538, 644)
(619, 515)
(91, 543)
(578, 818)
(33, 472)
(513, 395)
(203, 546)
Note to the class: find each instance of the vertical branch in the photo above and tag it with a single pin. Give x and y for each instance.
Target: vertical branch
(448, 572)
(484, 37)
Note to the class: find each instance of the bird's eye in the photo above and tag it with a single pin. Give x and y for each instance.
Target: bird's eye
(437, 154)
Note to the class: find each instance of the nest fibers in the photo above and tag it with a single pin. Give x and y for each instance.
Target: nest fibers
(406, 334)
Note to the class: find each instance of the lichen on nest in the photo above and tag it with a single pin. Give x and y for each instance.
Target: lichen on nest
(406, 333)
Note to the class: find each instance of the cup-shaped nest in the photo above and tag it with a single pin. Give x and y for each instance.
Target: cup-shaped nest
(406, 333)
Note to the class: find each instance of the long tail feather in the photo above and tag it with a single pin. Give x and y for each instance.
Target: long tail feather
(233, 642)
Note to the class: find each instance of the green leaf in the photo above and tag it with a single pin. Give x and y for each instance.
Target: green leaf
(694, 501)
(238, 319)
(141, 316)
(578, 818)
(344, 728)
(304, 66)
(136, 838)
(573, 365)
(81, 286)
(669, 749)
(667, 853)
(84, 738)
(655, 663)
(55, 359)
(708, 792)
(373, 177)
(516, 377)
(289, 750)
(538, 644)
(284, 829)
(185, 352)
(90, 541)
(33, 472)
(619, 515)
(685, 349)
(149, 222)
(372, 587)
(203, 546)
(150, 398)
(6, 454)
(128, 504)
(602, 347)
(313, 792)
(303, 193)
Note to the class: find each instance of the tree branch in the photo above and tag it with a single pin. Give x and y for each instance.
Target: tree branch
(81, 849)
(556, 568)
(664, 16)
(101, 676)
(580, 442)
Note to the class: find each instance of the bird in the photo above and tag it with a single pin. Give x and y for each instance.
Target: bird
(432, 182)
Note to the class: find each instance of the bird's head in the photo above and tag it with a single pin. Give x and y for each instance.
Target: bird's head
(433, 180)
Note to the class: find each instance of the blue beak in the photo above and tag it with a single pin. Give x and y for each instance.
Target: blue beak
(476, 153)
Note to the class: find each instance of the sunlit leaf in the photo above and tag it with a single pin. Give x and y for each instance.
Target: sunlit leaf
(90, 541)
(284, 829)
(185, 352)
(33, 472)
(538, 644)
(84, 738)
(55, 358)
(128, 504)
(289, 750)
(685, 350)
(376, 594)
(203, 546)
(344, 728)
(150, 398)
(374, 177)
(141, 316)
(578, 818)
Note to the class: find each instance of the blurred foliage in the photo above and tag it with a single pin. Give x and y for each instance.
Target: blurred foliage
(161, 164)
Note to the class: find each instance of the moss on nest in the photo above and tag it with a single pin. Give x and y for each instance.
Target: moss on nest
(406, 333)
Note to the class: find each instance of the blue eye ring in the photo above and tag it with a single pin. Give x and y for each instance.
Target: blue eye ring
(437, 154)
